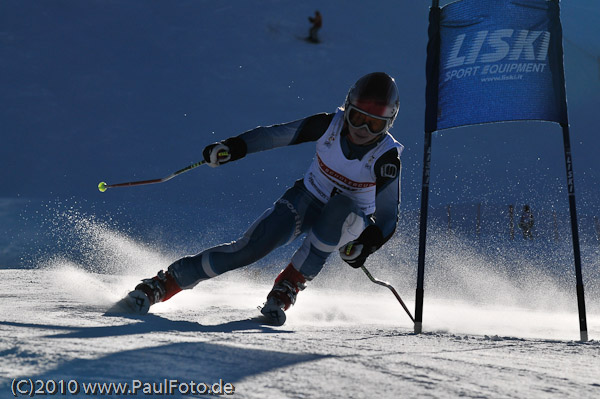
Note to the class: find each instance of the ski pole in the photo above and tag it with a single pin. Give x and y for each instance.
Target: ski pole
(102, 186)
(373, 279)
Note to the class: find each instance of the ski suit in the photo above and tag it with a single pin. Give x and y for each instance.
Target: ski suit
(346, 189)
(316, 22)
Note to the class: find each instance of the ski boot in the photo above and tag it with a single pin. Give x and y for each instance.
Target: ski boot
(283, 295)
(150, 291)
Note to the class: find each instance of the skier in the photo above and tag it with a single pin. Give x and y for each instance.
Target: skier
(526, 223)
(316, 23)
(347, 200)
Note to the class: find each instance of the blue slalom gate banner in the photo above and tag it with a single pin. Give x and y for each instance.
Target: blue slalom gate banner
(492, 61)
(495, 60)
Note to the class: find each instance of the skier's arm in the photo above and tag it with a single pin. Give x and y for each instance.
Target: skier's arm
(387, 169)
(301, 131)
(267, 137)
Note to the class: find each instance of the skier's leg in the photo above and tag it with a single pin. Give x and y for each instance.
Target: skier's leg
(271, 230)
(340, 221)
(283, 294)
(274, 228)
(277, 226)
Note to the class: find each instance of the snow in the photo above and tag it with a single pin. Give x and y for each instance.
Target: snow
(335, 344)
(114, 91)
(341, 340)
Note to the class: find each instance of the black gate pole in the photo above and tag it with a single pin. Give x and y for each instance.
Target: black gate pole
(575, 233)
(423, 234)
(431, 94)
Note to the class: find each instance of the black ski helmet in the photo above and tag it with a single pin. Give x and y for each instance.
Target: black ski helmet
(375, 94)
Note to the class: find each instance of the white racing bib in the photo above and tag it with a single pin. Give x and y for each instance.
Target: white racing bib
(331, 172)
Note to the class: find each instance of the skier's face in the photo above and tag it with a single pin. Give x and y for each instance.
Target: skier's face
(364, 128)
(361, 136)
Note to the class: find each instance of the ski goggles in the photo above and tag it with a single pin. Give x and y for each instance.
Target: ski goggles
(374, 124)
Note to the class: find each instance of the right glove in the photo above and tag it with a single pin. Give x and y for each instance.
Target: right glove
(216, 154)
(220, 153)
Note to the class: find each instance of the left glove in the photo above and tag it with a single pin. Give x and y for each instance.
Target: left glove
(356, 252)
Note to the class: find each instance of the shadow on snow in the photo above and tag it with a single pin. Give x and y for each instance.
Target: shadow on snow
(199, 361)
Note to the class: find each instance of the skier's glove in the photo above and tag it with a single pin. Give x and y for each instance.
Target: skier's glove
(217, 154)
(356, 252)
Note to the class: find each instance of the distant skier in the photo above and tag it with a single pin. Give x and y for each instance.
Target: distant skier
(317, 22)
(347, 200)
(526, 223)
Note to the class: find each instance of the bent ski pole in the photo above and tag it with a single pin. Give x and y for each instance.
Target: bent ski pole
(373, 279)
(102, 186)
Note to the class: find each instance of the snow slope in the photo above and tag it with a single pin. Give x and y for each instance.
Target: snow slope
(336, 344)
(117, 91)
(487, 334)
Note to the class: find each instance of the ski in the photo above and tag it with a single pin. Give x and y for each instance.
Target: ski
(271, 315)
(135, 302)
